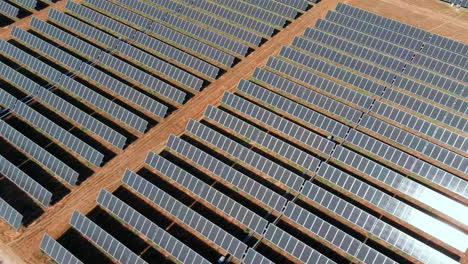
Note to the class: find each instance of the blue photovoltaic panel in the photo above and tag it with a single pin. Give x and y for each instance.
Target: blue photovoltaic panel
(57, 166)
(62, 106)
(24, 182)
(10, 215)
(153, 232)
(105, 241)
(57, 252)
(218, 199)
(280, 8)
(253, 257)
(31, 4)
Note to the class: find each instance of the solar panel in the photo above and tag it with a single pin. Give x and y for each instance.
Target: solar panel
(210, 21)
(103, 240)
(280, 8)
(266, 140)
(24, 182)
(409, 162)
(216, 198)
(186, 26)
(10, 215)
(303, 94)
(404, 29)
(90, 72)
(185, 214)
(167, 34)
(137, 55)
(395, 207)
(253, 11)
(426, 109)
(232, 16)
(278, 123)
(405, 185)
(41, 155)
(314, 118)
(299, 4)
(396, 38)
(253, 257)
(61, 135)
(150, 230)
(62, 106)
(294, 246)
(374, 225)
(8, 9)
(227, 173)
(420, 125)
(30, 4)
(111, 62)
(415, 72)
(57, 252)
(334, 235)
(331, 70)
(72, 86)
(334, 89)
(239, 152)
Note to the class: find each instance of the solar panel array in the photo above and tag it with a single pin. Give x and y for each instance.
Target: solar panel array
(111, 70)
(56, 251)
(10, 215)
(14, 10)
(319, 138)
(458, 3)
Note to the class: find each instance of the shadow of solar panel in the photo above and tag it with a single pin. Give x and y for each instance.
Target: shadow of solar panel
(216, 198)
(294, 247)
(288, 178)
(51, 129)
(278, 123)
(90, 72)
(150, 230)
(36, 152)
(10, 215)
(57, 252)
(227, 173)
(395, 207)
(26, 183)
(62, 106)
(185, 214)
(264, 139)
(374, 225)
(163, 32)
(103, 240)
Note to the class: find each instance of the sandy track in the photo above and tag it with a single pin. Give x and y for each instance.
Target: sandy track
(82, 198)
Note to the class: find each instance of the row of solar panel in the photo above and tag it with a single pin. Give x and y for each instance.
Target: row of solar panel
(161, 31)
(402, 28)
(399, 39)
(359, 81)
(387, 152)
(327, 29)
(462, 3)
(422, 90)
(8, 10)
(411, 121)
(201, 163)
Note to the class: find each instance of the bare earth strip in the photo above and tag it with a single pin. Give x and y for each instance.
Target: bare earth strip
(25, 243)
